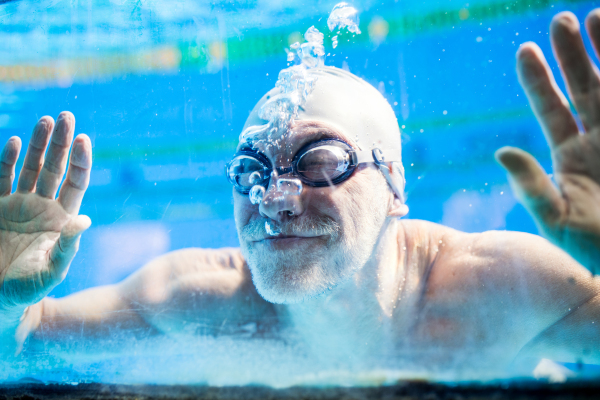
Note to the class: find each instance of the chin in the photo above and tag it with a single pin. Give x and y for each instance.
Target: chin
(294, 276)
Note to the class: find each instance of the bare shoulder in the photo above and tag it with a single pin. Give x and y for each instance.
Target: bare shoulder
(529, 258)
(506, 259)
(499, 291)
(219, 270)
(494, 256)
(514, 272)
(192, 286)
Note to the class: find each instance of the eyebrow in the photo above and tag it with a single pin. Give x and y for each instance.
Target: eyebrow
(314, 135)
(312, 132)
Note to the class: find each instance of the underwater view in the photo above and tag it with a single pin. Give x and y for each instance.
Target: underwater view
(283, 194)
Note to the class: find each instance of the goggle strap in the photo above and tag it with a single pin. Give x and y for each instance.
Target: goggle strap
(377, 156)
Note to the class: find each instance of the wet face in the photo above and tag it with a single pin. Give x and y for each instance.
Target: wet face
(327, 233)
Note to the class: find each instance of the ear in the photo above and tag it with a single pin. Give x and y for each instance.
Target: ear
(397, 208)
(394, 178)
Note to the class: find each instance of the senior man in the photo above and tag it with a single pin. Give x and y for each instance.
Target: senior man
(334, 263)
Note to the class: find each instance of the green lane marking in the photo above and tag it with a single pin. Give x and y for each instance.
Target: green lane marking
(270, 43)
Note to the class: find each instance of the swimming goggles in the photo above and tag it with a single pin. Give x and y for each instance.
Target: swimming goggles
(321, 163)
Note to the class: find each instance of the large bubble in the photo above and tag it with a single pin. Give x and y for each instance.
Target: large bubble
(254, 133)
(343, 15)
(272, 229)
(256, 194)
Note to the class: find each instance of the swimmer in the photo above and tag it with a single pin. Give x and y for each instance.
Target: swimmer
(330, 259)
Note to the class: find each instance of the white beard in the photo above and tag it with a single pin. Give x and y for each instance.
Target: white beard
(294, 275)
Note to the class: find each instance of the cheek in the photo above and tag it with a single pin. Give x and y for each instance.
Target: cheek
(324, 200)
(351, 199)
(363, 194)
(243, 209)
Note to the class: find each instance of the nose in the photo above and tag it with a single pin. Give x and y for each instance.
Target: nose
(283, 198)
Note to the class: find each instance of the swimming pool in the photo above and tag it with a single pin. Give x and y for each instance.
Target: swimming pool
(163, 90)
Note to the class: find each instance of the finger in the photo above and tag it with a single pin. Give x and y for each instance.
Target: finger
(35, 154)
(8, 159)
(548, 103)
(580, 74)
(78, 175)
(592, 24)
(67, 245)
(56, 159)
(532, 186)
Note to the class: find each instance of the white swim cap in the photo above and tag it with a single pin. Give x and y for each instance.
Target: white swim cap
(353, 106)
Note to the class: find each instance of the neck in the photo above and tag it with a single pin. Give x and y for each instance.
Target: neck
(358, 309)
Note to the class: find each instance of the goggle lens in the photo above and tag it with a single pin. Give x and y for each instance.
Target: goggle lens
(319, 164)
(323, 164)
(246, 171)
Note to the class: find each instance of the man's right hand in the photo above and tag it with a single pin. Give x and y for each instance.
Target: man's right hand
(39, 234)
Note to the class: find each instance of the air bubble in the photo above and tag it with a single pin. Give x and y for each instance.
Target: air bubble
(252, 133)
(334, 41)
(256, 194)
(296, 82)
(271, 229)
(290, 55)
(255, 177)
(343, 15)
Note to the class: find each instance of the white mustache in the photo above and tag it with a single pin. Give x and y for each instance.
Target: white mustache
(304, 226)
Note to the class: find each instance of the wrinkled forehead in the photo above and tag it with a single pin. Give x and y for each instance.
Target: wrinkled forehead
(349, 105)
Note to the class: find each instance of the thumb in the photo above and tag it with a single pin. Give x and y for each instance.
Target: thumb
(67, 244)
(532, 186)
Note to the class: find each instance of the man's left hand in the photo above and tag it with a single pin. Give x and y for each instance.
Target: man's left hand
(568, 215)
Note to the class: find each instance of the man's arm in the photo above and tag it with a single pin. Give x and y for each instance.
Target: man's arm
(96, 313)
(198, 291)
(189, 292)
(573, 338)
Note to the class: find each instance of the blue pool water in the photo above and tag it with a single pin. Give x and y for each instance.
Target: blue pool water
(161, 139)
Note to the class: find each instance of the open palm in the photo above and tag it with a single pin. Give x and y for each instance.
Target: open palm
(568, 215)
(39, 235)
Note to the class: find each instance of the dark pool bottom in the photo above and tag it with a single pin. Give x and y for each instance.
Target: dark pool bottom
(405, 391)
